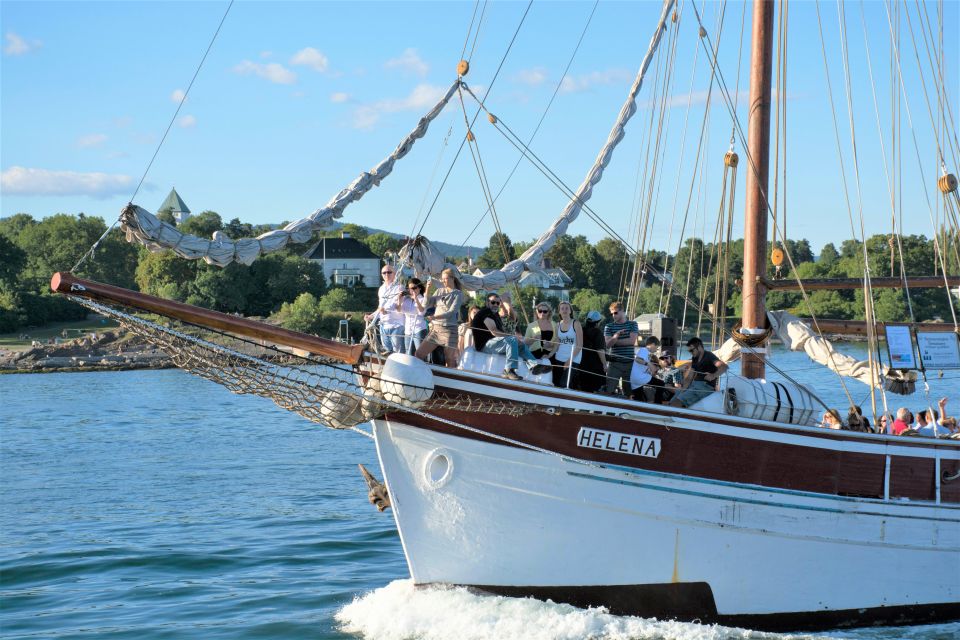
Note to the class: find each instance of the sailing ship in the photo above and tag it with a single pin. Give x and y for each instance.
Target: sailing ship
(737, 510)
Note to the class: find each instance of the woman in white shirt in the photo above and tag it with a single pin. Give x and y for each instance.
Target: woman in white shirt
(569, 340)
(410, 304)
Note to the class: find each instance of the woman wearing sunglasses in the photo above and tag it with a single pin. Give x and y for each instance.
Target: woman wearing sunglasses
(540, 333)
(411, 304)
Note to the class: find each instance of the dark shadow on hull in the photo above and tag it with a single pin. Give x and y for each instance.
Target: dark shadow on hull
(694, 602)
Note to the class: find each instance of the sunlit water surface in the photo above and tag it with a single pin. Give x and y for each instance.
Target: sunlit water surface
(155, 504)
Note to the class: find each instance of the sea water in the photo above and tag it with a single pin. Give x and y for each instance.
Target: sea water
(154, 504)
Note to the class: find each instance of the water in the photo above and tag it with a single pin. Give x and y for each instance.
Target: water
(154, 504)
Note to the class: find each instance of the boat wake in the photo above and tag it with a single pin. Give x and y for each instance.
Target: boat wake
(399, 611)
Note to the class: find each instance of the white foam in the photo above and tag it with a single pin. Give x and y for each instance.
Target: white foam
(399, 611)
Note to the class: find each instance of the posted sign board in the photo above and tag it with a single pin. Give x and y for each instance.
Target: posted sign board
(939, 350)
(900, 346)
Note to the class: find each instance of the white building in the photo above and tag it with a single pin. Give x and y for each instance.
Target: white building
(346, 261)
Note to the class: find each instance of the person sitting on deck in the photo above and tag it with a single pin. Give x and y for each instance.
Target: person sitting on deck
(702, 375)
(903, 421)
(831, 419)
(935, 428)
(857, 422)
(646, 365)
(489, 337)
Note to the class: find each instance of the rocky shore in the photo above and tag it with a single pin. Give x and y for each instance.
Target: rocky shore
(114, 350)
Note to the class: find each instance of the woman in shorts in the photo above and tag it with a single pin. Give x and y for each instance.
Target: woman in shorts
(445, 304)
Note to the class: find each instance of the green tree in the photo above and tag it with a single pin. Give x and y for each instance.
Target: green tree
(355, 231)
(828, 255)
(12, 226)
(492, 257)
(277, 278)
(12, 261)
(587, 300)
(303, 314)
(56, 244)
(202, 225)
(380, 243)
(223, 289)
(166, 215)
(165, 274)
(236, 229)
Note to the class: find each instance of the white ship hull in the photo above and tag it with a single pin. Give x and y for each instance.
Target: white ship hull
(520, 522)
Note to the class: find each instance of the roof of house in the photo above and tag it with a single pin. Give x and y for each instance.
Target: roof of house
(340, 249)
(174, 203)
(547, 275)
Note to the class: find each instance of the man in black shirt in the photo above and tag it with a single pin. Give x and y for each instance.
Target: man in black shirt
(489, 337)
(702, 375)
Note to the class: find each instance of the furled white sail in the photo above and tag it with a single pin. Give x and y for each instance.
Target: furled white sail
(796, 335)
(139, 224)
(425, 260)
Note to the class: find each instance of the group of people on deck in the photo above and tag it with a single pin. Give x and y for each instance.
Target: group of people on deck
(418, 319)
(932, 423)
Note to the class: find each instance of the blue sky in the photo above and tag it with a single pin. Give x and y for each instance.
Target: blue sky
(296, 99)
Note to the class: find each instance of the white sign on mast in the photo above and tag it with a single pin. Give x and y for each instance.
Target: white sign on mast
(939, 349)
(900, 346)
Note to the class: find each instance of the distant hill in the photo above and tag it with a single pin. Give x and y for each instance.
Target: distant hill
(452, 250)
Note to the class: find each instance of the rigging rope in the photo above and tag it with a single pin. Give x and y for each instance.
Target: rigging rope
(536, 129)
(475, 115)
(163, 138)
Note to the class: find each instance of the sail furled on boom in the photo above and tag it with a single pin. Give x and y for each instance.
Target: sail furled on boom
(797, 335)
(424, 259)
(142, 226)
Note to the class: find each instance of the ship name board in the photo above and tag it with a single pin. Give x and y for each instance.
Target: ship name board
(618, 442)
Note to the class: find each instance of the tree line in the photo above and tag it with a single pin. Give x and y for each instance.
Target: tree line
(295, 292)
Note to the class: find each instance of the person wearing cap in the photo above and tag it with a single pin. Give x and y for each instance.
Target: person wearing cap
(701, 376)
(592, 370)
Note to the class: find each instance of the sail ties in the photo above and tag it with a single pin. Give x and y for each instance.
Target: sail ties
(144, 227)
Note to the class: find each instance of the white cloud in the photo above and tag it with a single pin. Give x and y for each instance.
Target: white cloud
(178, 95)
(91, 140)
(122, 121)
(266, 54)
(339, 96)
(17, 46)
(187, 121)
(533, 77)
(310, 57)
(42, 182)
(410, 61)
(574, 84)
(422, 97)
(273, 71)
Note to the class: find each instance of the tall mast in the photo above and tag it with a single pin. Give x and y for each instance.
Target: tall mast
(758, 142)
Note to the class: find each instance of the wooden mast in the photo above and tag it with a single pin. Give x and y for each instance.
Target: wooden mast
(758, 143)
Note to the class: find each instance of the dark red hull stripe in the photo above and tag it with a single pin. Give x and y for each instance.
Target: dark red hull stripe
(614, 404)
(694, 602)
(714, 456)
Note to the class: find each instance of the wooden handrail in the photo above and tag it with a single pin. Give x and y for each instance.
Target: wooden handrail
(65, 282)
(859, 327)
(815, 284)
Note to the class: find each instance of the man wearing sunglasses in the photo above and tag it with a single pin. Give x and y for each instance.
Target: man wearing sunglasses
(489, 337)
(391, 320)
(702, 375)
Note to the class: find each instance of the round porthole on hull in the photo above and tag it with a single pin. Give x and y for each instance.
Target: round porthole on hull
(437, 468)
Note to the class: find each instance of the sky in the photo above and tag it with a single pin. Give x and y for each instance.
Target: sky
(296, 99)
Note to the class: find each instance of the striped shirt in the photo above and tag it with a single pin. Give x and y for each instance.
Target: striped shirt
(621, 353)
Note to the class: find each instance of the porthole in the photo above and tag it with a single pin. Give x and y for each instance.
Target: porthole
(437, 468)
